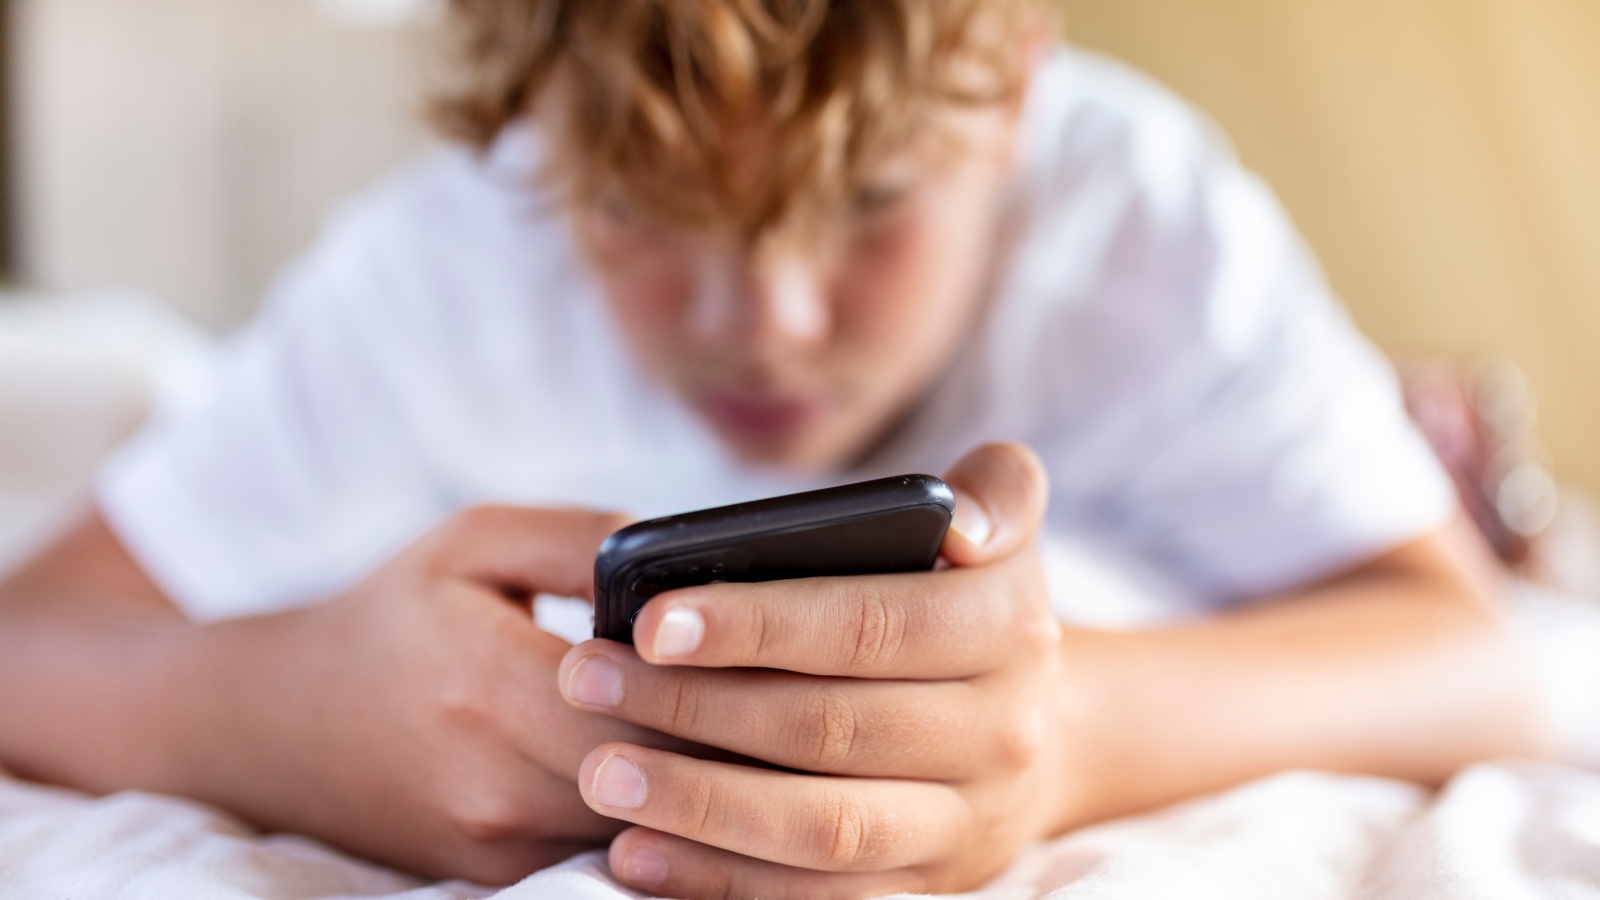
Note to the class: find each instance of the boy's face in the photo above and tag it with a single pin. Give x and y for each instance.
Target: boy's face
(805, 354)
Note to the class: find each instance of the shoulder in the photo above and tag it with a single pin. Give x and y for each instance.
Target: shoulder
(438, 251)
(1144, 266)
(456, 201)
(1124, 212)
(1085, 108)
(1124, 193)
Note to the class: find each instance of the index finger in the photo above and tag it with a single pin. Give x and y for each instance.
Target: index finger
(957, 623)
(524, 700)
(549, 551)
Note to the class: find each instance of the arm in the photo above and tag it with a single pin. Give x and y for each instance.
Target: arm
(950, 719)
(87, 650)
(1399, 667)
(412, 719)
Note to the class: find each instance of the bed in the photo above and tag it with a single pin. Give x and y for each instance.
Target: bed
(1498, 832)
(75, 377)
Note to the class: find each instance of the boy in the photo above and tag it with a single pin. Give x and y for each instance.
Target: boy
(731, 248)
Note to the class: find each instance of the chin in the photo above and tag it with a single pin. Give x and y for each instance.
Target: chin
(797, 453)
(774, 455)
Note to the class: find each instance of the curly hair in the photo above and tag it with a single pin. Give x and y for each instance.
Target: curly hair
(653, 93)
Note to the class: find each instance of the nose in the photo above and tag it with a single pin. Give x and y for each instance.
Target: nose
(773, 302)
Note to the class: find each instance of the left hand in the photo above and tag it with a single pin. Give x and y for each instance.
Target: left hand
(929, 705)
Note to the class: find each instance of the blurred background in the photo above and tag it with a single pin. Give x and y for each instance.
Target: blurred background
(1442, 156)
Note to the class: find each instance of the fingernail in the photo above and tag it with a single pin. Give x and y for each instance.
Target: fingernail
(679, 633)
(596, 681)
(644, 868)
(971, 521)
(619, 784)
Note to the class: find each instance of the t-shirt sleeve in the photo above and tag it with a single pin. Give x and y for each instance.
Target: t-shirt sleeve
(1242, 433)
(299, 474)
(1295, 461)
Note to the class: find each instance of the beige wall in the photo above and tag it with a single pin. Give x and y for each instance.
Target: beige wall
(188, 147)
(1443, 156)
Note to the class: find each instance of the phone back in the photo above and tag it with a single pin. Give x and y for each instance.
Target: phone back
(888, 525)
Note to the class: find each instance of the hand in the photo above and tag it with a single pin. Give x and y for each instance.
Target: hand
(415, 719)
(928, 705)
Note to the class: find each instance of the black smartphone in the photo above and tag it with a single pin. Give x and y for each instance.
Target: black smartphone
(874, 527)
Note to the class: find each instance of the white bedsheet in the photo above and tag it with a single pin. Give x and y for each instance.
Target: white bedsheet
(1497, 832)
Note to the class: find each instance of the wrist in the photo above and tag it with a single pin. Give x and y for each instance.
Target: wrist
(85, 692)
(226, 731)
(1088, 762)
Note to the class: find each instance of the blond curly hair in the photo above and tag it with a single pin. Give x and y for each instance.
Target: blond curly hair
(652, 93)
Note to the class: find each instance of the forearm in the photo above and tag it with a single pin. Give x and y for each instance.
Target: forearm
(88, 689)
(104, 684)
(107, 693)
(1390, 674)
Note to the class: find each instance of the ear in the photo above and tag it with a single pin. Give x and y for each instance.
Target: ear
(1041, 36)
(1036, 41)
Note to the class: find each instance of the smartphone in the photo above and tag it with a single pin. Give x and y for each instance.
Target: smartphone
(874, 527)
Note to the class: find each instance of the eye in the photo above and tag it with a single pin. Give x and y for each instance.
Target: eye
(614, 206)
(877, 199)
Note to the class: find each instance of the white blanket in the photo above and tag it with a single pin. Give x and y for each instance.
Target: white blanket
(1505, 831)
(1497, 832)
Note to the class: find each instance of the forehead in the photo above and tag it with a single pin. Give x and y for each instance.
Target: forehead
(632, 95)
(685, 154)
(946, 133)
(761, 181)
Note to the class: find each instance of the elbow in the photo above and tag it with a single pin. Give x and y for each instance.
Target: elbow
(1495, 676)
(1496, 673)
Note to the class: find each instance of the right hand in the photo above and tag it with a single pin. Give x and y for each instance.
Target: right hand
(416, 719)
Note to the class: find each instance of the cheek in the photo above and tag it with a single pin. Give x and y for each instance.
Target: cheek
(907, 289)
(649, 284)
(879, 282)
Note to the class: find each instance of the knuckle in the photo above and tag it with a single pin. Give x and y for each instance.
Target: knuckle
(699, 809)
(843, 839)
(744, 636)
(499, 868)
(722, 885)
(475, 520)
(682, 707)
(879, 629)
(1038, 633)
(463, 712)
(603, 524)
(466, 703)
(462, 528)
(485, 814)
(474, 697)
(828, 731)
(918, 881)
(758, 630)
(1018, 743)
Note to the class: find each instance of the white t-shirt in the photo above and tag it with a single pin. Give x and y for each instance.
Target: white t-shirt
(1210, 419)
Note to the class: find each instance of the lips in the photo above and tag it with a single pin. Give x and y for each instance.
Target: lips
(763, 417)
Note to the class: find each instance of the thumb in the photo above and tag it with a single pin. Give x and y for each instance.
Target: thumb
(542, 551)
(1001, 492)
